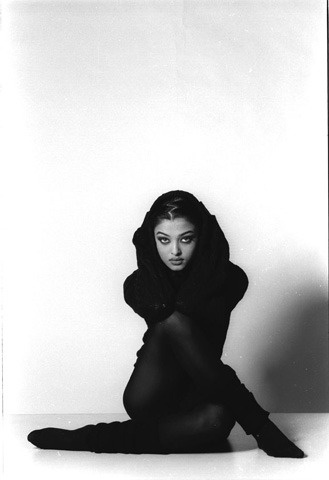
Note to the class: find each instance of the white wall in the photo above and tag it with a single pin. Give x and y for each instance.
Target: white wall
(110, 104)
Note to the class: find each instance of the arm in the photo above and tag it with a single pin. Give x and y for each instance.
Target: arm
(213, 314)
(212, 297)
(143, 294)
(235, 286)
(217, 311)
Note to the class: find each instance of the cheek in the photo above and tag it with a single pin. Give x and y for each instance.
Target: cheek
(191, 250)
(162, 251)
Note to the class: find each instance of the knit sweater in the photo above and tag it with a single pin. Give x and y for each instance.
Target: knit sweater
(207, 289)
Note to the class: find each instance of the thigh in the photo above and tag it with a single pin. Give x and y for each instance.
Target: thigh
(191, 397)
(157, 382)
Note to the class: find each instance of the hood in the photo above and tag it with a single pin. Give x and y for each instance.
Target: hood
(211, 239)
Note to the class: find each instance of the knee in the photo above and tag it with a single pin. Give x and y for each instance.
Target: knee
(137, 405)
(219, 419)
(176, 323)
(134, 409)
(129, 402)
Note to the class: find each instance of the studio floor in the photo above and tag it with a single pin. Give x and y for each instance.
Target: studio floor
(22, 460)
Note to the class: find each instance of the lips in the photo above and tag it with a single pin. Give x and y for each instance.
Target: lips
(176, 261)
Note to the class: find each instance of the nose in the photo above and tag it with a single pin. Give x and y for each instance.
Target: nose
(176, 249)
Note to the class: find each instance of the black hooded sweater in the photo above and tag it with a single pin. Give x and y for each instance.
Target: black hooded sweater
(207, 289)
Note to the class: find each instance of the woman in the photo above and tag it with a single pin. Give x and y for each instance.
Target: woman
(180, 397)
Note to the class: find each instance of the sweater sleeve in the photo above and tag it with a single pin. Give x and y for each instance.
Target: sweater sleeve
(137, 295)
(235, 286)
(216, 312)
(230, 294)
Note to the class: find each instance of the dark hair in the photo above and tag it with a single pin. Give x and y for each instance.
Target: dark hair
(176, 204)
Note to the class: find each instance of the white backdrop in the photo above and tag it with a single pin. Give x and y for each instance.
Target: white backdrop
(110, 104)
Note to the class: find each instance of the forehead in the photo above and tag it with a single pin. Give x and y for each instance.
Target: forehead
(174, 227)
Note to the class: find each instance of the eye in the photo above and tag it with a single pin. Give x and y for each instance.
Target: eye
(163, 240)
(187, 239)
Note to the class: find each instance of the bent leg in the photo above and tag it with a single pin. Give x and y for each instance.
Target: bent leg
(198, 357)
(157, 381)
(210, 375)
(152, 400)
(158, 389)
(185, 432)
(192, 431)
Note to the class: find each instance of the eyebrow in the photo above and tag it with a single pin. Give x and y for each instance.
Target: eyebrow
(189, 231)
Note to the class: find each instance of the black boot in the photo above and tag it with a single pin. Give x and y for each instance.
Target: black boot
(270, 439)
(131, 436)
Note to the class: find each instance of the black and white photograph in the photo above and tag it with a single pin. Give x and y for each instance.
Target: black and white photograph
(164, 240)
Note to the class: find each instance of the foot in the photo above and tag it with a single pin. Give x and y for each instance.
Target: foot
(270, 439)
(60, 439)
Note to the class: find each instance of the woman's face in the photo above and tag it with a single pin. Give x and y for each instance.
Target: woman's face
(176, 241)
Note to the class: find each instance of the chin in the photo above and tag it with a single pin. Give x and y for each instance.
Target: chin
(176, 268)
